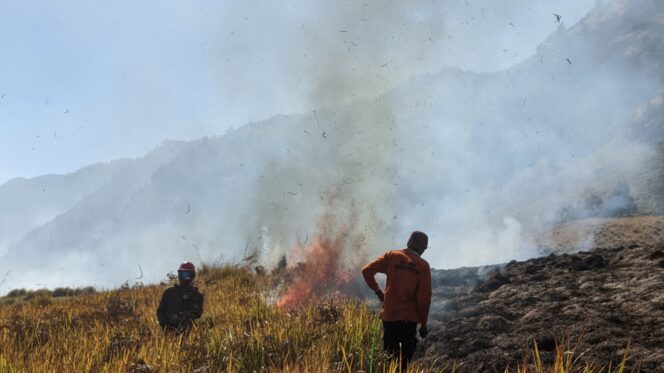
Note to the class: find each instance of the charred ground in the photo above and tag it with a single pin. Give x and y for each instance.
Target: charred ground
(605, 300)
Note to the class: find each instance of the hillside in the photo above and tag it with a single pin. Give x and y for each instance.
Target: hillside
(605, 233)
(28, 204)
(590, 305)
(241, 331)
(541, 187)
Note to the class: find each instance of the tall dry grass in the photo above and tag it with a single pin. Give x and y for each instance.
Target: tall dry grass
(241, 331)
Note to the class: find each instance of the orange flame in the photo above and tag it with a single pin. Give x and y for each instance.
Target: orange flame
(321, 275)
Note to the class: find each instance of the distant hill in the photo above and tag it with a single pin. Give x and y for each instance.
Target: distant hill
(477, 160)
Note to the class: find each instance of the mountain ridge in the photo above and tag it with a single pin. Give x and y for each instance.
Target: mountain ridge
(502, 153)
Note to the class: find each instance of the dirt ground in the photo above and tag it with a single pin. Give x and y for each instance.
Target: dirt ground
(605, 300)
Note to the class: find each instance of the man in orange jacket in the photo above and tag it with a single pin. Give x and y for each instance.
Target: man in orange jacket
(407, 296)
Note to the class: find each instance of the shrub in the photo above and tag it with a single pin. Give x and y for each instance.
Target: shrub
(16, 293)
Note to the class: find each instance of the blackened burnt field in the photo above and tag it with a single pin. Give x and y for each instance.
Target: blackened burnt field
(594, 303)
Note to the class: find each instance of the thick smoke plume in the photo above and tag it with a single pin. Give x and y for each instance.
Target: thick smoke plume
(485, 163)
(344, 185)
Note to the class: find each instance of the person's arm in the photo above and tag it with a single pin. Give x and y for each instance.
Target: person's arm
(197, 308)
(380, 265)
(424, 296)
(161, 311)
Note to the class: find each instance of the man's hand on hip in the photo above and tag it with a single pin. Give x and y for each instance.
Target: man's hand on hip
(380, 295)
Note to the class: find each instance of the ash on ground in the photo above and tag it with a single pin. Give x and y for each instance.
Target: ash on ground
(486, 319)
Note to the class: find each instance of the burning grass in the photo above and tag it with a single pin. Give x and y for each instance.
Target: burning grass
(321, 275)
(241, 331)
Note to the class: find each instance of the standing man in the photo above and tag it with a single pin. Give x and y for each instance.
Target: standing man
(181, 304)
(407, 296)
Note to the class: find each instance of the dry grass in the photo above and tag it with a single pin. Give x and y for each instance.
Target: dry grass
(241, 331)
(566, 360)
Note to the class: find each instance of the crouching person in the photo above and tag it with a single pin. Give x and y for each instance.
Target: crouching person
(181, 304)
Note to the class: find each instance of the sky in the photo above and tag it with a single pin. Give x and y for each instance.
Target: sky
(88, 82)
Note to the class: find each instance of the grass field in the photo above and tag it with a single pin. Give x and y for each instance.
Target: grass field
(242, 330)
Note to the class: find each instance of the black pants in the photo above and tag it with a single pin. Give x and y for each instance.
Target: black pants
(399, 340)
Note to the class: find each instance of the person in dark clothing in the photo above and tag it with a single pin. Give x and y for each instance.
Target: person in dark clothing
(407, 296)
(181, 304)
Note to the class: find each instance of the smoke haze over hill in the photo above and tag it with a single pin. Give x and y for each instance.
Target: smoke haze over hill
(86, 83)
(479, 160)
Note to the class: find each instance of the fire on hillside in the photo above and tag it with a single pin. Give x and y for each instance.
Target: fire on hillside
(322, 272)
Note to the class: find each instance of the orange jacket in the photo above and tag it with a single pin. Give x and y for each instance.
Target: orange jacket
(408, 288)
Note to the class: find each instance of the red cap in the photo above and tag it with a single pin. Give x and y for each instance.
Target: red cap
(187, 266)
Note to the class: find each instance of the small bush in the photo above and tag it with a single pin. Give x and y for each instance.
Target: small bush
(41, 298)
(62, 292)
(69, 292)
(16, 293)
(37, 294)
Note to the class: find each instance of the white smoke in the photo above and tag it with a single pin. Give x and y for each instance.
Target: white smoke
(481, 161)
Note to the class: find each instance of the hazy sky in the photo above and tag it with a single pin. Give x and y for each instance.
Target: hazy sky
(90, 81)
